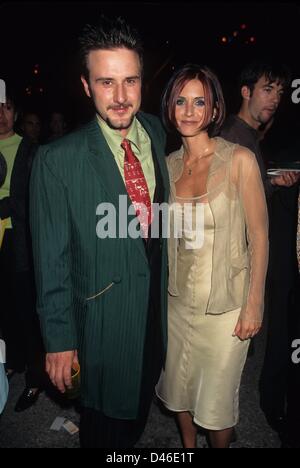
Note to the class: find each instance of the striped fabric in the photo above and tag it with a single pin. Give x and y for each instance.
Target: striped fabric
(93, 291)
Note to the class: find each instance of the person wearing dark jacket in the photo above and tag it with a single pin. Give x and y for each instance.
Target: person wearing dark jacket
(262, 85)
(3, 378)
(18, 318)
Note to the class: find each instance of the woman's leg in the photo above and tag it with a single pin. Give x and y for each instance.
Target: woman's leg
(221, 439)
(188, 429)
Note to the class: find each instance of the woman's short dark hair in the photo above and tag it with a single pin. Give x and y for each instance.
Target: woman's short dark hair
(213, 95)
(109, 33)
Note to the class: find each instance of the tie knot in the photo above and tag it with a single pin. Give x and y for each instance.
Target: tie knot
(129, 154)
(126, 145)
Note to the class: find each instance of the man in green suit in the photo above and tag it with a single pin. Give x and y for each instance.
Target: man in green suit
(102, 298)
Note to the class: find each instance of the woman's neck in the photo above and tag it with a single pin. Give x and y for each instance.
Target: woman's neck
(197, 147)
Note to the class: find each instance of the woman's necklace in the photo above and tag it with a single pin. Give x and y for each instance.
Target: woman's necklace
(205, 154)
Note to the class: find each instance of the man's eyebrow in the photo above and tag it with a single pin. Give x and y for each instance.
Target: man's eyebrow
(107, 78)
(104, 78)
(272, 85)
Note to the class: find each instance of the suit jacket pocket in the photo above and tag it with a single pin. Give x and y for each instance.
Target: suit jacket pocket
(99, 293)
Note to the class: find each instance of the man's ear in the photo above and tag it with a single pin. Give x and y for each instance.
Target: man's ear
(245, 92)
(86, 86)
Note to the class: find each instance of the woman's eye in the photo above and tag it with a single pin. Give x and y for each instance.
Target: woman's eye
(179, 102)
(200, 103)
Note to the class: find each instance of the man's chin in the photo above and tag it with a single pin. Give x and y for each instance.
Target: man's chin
(267, 117)
(119, 125)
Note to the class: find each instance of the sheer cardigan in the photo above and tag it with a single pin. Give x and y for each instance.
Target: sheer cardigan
(240, 251)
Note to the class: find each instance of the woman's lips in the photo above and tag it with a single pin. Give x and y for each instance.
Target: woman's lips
(188, 122)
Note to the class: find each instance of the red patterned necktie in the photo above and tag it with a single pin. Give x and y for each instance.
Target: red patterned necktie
(137, 187)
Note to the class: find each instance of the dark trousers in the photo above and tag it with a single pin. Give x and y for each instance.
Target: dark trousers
(18, 318)
(33, 349)
(282, 310)
(100, 431)
(293, 391)
(9, 320)
(275, 370)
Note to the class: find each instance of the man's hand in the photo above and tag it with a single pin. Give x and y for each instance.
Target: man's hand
(286, 179)
(58, 366)
(246, 329)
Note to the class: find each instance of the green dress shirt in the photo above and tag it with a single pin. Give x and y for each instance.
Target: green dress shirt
(141, 146)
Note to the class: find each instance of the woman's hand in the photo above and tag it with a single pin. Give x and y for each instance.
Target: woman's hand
(246, 329)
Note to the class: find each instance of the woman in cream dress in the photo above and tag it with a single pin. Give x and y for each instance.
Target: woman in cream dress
(218, 251)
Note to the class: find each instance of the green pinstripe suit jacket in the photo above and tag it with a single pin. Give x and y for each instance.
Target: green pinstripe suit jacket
(92, 292)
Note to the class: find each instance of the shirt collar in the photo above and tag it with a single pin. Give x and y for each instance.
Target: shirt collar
(114, 138)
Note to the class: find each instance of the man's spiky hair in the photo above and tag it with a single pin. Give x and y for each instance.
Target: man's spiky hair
(108, 34)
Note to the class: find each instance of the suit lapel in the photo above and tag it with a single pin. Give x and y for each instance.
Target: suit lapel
(104, 164)
(108, 174)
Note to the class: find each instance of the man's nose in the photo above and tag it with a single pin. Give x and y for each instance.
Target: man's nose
(120, 93)
(276, 98)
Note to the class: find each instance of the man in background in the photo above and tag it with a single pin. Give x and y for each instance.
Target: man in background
(261, 86)
(18, 318)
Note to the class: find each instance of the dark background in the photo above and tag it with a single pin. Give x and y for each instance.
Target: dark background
(45, 34)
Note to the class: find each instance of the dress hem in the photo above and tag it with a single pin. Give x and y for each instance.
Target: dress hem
(209, 427)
